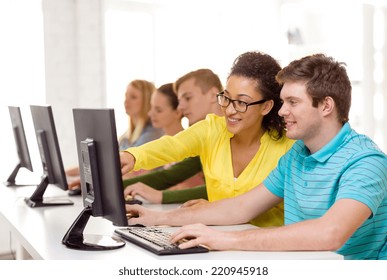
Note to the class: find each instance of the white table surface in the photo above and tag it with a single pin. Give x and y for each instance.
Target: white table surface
(40, 231)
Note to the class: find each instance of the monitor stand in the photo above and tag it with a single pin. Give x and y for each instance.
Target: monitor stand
(36, 199)
(75, 239)
(11, 181)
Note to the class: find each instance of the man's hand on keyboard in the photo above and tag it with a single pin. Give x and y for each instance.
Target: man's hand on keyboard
(201, 235)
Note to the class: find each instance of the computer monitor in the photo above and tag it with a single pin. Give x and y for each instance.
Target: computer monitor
(21, 145)
(51, 158)
(101, 180)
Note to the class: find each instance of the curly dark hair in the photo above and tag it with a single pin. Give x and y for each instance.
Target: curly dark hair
(263, 69)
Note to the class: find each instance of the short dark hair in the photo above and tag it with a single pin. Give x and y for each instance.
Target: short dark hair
(323, 77)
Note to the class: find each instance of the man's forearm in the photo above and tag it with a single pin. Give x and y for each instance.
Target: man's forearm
(213, 213)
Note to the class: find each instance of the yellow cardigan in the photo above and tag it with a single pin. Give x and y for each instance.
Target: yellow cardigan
(210, 140)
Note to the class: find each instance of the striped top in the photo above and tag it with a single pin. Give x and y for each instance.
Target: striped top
(350, 166)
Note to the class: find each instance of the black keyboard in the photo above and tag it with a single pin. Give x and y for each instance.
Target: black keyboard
(156, 240)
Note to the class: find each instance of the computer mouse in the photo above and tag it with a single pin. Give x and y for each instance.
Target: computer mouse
(131, 200)
(74, 192)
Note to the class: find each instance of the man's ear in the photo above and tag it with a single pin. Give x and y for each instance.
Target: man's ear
(212, 94)
(328, 106)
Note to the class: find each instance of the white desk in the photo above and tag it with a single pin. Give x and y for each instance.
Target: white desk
(40, 232)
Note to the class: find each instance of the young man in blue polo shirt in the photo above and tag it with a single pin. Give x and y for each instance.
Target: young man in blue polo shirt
(333, 180)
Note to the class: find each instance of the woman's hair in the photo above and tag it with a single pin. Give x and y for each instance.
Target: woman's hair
(135, 129)
(262, 68)
(167, 90)
(323, 77)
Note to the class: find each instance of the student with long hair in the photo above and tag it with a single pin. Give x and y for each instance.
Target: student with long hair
(137, 105)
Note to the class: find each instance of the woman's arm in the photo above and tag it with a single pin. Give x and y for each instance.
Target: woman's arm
(170, 149)
(175, 174)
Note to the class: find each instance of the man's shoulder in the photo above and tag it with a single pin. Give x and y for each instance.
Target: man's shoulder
(357, 144)
(358, 150)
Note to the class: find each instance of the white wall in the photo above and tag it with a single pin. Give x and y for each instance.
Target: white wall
(22, 77)
(162, 40)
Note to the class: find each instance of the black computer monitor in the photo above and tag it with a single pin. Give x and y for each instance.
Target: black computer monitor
(21, 145)
(51, 158)
(101, 180)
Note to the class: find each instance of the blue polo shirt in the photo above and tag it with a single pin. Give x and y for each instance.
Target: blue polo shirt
(349, 166)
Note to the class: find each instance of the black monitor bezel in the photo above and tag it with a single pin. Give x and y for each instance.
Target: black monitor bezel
(100, 126)
(51, 158)
(97, 145)
(24, 158)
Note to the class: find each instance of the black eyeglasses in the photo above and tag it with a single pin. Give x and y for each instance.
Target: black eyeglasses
(239, 105)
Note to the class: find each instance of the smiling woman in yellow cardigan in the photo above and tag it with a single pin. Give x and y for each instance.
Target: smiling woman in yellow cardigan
(238, 150)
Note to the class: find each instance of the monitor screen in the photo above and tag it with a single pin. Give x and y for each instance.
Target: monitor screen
(101, 180)
(50, 154)
(21, 145)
